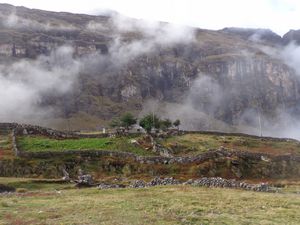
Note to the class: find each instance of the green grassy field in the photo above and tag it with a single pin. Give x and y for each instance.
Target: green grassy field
(58, 204)
(37, 143)
(193, 144)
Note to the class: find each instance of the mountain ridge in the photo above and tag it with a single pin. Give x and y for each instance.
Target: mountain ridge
(227, 77)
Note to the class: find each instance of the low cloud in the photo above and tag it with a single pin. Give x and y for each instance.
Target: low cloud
(18, 22)
(24, 84)
(207, 100)
(291, 56)
(158, 32)
(133, 38)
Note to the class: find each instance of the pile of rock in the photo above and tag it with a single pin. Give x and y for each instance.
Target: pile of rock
(163, 181)
(224, 183)
(110, 186)
(85, 180)
(204, 182)
(138, 184)
(157, 181)
(214, 182)
(263, 187)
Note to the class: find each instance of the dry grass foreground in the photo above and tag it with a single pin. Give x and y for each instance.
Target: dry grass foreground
(156, 205)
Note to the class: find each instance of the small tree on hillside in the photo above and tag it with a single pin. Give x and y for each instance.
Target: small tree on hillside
(127, 120)
(177, 123)
(150, 121)
(115, 123)
(165, 124)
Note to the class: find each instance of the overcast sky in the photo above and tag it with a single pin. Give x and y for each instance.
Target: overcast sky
(278, 15)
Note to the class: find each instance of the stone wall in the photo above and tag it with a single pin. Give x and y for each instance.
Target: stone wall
(204, 182)
(25, 129)
(181, 132)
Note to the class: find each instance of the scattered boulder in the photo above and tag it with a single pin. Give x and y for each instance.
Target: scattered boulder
(84, 180)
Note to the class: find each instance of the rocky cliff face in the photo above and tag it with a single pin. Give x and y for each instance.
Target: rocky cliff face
(292, 36)
(222, 74)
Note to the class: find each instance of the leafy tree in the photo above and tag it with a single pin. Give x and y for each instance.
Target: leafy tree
(177, 123)
(115, 123)
(165, 124)
(150, 121)
(127, 120)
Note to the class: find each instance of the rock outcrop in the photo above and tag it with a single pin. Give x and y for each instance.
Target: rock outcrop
(292, 36)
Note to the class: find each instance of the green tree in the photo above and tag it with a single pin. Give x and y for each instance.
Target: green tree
(150, 121)
(127, 120)
(115, 123)
(165, 124)
(177, 123)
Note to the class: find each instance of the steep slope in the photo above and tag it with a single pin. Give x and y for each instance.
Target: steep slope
(224, 77)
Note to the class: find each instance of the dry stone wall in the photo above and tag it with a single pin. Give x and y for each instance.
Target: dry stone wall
(25, 129)
(202, 182)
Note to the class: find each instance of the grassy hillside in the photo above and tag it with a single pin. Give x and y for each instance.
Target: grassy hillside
(192, 144)
(54, 204)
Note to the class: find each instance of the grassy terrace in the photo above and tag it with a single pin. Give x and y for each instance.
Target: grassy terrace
(37, 144)
(193, 144)
(62, 204)
(185, 145)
